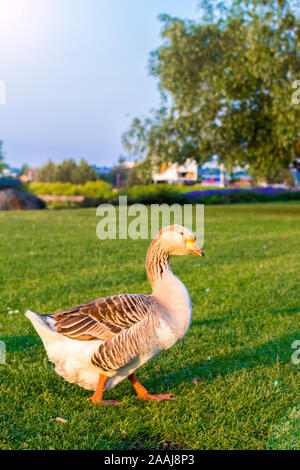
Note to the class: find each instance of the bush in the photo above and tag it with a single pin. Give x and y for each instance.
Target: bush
(99, 192)
(169, 194)
(91, 189)
(237, 195)
(149, 194)
(154, 194)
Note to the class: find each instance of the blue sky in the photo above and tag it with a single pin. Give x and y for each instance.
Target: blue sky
(76, 74)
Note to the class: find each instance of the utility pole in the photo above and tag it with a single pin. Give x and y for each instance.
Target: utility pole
(222, 176)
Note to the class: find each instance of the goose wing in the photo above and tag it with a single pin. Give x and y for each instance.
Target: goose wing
(102, 318)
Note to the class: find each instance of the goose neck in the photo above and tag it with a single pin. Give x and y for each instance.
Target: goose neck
(157, 263)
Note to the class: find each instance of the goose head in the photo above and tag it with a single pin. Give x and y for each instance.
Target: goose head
(178, 240)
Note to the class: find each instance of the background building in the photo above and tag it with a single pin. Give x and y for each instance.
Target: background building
(172, 173)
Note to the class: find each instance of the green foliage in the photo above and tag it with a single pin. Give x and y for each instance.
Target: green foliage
(245, 196)
(90, 189)
(153, 194)
(276, 176)
(171, 194)
(119, 171)
(286, 434)
(2, 165)
(64, 172)
(67, 172)
(24, 169)
(84, 173)
(238, 346)
(47, 172)
(142, 194)
(100, 192)
(227, 86)
(140, 173)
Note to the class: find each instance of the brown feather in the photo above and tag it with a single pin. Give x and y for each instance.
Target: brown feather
(102, 318)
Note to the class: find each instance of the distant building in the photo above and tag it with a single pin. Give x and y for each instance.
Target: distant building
(30, 175)
(214, 174)
(9, 178)
(9, 182)
(240, 177)
(296, 175)
(208, 174)
(172, 173)
(101, 170)
(127, 164)
(9, 172)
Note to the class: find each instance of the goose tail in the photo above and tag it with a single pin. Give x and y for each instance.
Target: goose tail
(45, 320)
(44, 326)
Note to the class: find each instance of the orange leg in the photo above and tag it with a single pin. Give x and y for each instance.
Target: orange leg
(142, 392)
(97, 397)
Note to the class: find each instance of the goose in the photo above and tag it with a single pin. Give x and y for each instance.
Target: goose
(99, 344)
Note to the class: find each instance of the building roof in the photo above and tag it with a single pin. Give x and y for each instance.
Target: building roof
(9, 182)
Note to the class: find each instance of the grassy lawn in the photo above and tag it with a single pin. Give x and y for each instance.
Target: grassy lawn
(245, 297)
(287, 433)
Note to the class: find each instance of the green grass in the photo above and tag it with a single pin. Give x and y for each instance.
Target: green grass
(286, 435)
(239, 344)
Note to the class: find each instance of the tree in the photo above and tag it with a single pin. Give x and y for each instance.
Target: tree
(24, 169)
(83, 173)
(226, 83)
(118, 172)
(47, 173)
(140, 173)
(2, 165)
(67, 172)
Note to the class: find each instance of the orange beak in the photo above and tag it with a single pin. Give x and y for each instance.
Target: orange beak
(192, 247)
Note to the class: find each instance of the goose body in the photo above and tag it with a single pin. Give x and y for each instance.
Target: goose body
(113, 336)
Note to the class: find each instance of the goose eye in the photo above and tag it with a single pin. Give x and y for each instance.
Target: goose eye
(181, 233)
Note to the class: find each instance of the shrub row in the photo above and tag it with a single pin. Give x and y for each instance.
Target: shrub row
(158, 194)
(99, 192)
(92, 189)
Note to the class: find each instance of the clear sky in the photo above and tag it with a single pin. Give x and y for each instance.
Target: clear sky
(76, 74)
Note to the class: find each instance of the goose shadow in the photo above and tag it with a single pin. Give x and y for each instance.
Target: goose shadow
(287, 311)
(209, 321)
(20, 343)
(267, 353)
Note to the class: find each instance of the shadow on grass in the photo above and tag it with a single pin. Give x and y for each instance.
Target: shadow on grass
(20, 343)
(268, 353)
(285, 310)
(209, 321)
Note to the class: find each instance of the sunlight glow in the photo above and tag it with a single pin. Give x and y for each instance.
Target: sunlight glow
(11, 15)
